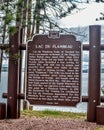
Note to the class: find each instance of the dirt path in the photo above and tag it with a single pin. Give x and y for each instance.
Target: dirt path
(45, 123)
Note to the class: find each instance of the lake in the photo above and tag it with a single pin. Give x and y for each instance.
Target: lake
(81, 107)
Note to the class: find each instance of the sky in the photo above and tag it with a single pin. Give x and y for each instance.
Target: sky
(86, 16)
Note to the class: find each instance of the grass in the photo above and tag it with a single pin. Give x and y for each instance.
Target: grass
(53, 114)
(100, 129)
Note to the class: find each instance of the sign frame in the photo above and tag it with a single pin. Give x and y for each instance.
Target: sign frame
(71, 39)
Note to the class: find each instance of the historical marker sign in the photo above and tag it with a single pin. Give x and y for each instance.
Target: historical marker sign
(53, 70)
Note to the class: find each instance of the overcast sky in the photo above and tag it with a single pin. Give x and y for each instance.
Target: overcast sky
(87, 16)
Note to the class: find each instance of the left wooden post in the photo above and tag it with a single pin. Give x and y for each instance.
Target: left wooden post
(13, 78)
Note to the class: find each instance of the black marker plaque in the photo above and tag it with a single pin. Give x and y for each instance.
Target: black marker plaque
(53, 70)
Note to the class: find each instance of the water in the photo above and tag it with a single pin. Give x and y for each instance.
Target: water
(81, 107)
(3, 85)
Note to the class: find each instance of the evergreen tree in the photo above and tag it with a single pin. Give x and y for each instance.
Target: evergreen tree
(35, 16)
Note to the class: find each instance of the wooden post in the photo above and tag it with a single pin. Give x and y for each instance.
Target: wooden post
(13, 82)
(94, 72)
(20, 70)
(100, 114)
(2, 111)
